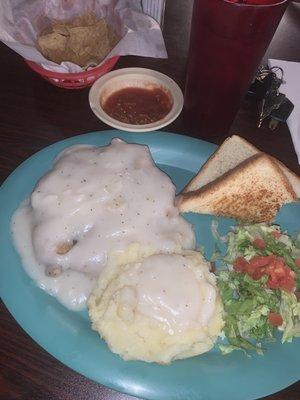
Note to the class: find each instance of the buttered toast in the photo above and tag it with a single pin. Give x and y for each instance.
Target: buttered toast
(252, 191)
(229, 155)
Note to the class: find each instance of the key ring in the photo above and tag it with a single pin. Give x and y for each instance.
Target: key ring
(265, 71)
(278, 69)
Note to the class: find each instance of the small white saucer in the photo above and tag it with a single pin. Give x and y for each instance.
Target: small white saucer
(134, 77)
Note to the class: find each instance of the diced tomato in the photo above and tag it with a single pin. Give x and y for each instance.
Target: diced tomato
(240, 264)
(276, 234)
(257, 274)
(275, 319)
(261, 261)
(288, 285)
(297, 262)
(259, 243)
(280, 276)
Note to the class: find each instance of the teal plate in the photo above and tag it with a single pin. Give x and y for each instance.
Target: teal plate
(67, 335)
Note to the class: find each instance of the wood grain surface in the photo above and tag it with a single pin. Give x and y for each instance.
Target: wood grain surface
(34, 114)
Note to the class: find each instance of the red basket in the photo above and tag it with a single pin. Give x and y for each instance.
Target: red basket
(74, 81)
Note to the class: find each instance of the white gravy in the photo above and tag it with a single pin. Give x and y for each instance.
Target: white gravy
(100, 200)
(164, 288)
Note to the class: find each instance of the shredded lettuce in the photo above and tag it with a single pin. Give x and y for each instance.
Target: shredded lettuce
(228, 348)
(290, 312)
(247, 305)
(240, 243)
(248, 302)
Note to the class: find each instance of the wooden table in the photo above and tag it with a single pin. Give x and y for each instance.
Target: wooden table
(34, 114)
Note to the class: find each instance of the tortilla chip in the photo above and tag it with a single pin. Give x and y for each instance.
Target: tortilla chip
(53, 46)
(83, 20)
(82, 41)
(61, 29)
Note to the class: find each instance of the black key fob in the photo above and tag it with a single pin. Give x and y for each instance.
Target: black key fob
(260, 87)
(281, 114)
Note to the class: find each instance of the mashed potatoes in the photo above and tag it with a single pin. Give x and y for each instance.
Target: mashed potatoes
(163, 308)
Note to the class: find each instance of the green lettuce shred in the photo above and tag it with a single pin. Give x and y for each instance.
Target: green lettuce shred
(247, 305)
(240, 243)
(290, 312)
(248, 302)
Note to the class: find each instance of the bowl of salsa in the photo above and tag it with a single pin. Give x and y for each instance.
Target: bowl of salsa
(136, 99)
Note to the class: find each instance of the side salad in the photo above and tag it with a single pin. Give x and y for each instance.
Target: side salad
(259, 283)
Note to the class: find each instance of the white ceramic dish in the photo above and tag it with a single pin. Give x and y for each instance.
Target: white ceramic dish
(134, 77)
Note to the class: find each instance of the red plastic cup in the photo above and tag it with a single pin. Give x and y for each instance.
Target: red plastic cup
(228, 40)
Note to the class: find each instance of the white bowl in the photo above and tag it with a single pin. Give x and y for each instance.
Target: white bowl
(134, 77)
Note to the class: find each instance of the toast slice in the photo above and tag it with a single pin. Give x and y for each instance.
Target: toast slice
(293, 179)
(230, 154)
(253, 191)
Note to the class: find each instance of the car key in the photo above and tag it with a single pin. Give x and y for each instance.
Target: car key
(281, 114)
(260, 87)
(269, 104)
(272, 98)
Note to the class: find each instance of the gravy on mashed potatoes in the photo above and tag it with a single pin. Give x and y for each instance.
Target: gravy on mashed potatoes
(97, 207)
(162, 308)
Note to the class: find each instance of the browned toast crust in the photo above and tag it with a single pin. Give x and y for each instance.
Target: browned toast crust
(207, 163)
(258, 205)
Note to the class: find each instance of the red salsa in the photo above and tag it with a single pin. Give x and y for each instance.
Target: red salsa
(138, 106)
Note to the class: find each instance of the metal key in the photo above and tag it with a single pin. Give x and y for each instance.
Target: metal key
(281, 114)
(273, 98)
(272, 102)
